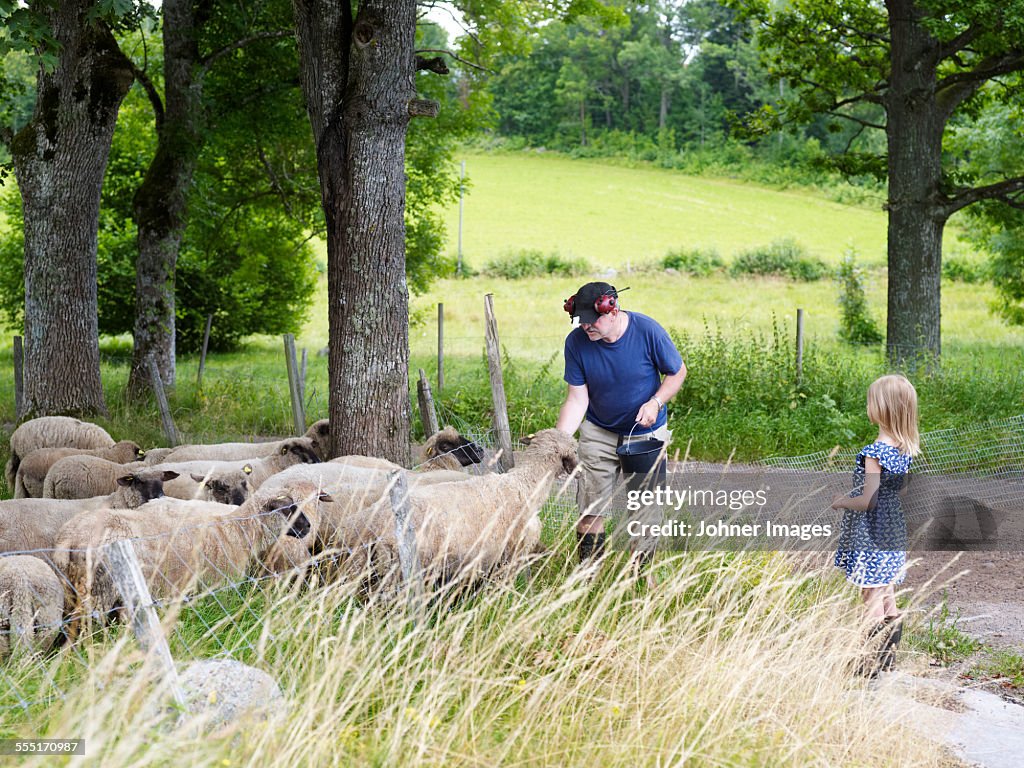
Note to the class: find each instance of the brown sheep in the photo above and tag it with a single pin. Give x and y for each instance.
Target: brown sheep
(52, 432)
(31, 474)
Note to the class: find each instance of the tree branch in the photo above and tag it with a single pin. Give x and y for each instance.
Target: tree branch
(986, 70)
(455, 56)
(1002, 190)
(858, 120)
(208, 61)
(958, 43)
(435, 65)
(151, 92)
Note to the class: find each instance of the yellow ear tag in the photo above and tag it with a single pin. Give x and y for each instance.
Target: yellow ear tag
(247, 469)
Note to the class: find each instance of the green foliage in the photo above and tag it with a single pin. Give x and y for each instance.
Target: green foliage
(533, 263)
(856, 326)
(699, 262)
(1005, 667)
(963, 270)
(943, 640)
(782, 258)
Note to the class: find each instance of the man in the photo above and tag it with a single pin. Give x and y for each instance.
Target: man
(614, 364)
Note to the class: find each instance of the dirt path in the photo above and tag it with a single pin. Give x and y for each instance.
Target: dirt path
(985, 588)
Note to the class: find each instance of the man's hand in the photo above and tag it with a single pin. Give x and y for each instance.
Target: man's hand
(648, 413)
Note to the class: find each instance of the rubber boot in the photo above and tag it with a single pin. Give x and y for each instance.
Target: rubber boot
(887, 654)
(871, 657)
(590, 546)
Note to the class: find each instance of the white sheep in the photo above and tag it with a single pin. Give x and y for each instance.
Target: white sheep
(444, 450)
(238, 477)
(181, 546)
(31, 605)
(52, 432)
(463, 529)
(31, 525)
(317, 434)
(31, 474)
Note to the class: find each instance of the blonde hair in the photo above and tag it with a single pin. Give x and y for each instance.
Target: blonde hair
(892, 405)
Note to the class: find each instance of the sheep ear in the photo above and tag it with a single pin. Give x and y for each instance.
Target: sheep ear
(140, 454)
(125, 480)
(197, 478)
(284, 449)
(169, 475)
(526, 439)
(247, 469)
(326, 498)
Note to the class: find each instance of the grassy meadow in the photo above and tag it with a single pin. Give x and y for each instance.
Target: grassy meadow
(614, 215)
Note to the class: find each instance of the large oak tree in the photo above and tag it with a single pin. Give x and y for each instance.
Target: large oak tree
(910, 68)
(59, 160)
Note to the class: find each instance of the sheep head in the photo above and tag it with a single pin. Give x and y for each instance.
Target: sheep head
(552, 447)
(226, 487)
(125, 451)
(320, 434)
(136, 488)
(298, 450)
(449, 441)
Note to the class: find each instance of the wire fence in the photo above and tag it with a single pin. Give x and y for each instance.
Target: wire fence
(215, 574)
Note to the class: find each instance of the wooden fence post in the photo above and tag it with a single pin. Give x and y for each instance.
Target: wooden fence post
(19, 379)
(502, 430)
(302, 378)
(298, 417)
(799, 346)
(127, 576)
(405, 535)
(161, 401)
(202, 356)
(440, 347)
(427, 413)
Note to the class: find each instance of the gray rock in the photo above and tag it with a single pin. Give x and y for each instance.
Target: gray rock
(222, 691)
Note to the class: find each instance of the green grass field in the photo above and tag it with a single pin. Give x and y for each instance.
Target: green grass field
(615, 215)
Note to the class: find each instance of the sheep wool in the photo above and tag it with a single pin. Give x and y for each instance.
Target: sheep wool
(31, 605)
(52, 432)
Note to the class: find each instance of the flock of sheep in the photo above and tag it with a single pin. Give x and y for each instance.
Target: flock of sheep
(201, 516)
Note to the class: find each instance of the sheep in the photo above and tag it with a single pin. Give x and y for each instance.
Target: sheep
(52, 432)
(178, 543)
(31, 474)
(83, 476)
(317, 434)
(31, 605)
(447, 449)
(31, 525)
(353, 489)
(463, 529)
(238, 477)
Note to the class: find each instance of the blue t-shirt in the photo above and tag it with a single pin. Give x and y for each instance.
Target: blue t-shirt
(623, 375)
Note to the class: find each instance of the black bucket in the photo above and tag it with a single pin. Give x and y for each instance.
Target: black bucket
(638, 461)
(639, 456)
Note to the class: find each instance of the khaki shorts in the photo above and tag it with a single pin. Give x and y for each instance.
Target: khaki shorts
(599, 465)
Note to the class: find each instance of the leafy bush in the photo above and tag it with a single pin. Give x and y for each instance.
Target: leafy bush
(961, 270)
(856, 326)
(699, 262)
(784, 258)
(535, 263)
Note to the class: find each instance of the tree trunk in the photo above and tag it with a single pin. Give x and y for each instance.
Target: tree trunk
(160, 202)
(914, 128)
(358, 80)
(60, 157)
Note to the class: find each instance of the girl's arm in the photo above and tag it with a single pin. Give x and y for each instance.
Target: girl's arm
(864, 502)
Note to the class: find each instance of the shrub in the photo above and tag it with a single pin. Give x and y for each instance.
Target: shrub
(961, 270)
(535, 263)
(856, 326)
(784, 258)
(699, 262)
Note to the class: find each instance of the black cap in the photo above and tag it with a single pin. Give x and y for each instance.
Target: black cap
(587, 296)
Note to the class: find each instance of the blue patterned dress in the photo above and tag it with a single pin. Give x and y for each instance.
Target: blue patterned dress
(873, 544)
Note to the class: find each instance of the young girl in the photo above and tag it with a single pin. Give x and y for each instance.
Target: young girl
(872, 540)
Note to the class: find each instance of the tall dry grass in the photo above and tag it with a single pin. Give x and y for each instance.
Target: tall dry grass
(731, 660)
